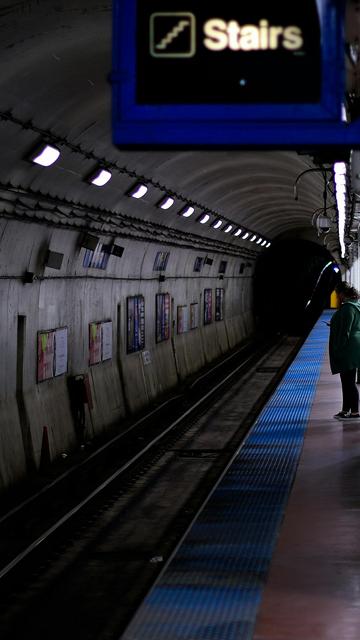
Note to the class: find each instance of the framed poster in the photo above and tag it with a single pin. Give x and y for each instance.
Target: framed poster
(106, 340)
(207, 306)
(219, 304)
(94, 343)
(162, 317)
(194, 315)
(182, 319)
(61, 351)
(135, 339)
(45, 355)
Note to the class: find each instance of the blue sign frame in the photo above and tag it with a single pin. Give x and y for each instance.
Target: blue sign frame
(230, 125)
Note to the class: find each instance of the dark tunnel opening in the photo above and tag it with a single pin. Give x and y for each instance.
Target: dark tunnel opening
(293, 284)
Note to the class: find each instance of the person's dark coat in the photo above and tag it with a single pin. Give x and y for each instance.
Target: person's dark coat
(344, 343)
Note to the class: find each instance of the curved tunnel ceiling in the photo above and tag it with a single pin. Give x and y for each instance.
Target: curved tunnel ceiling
(54, 82)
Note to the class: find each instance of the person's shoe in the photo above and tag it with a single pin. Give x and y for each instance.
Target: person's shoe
(341, 415)
(351, 416)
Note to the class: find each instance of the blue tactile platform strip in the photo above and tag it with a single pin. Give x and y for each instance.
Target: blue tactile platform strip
(212, 587)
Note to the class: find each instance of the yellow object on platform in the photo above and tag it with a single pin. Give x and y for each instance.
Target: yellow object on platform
(334, 300)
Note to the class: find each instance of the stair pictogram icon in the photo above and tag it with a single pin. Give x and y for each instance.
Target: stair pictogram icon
(172, 35)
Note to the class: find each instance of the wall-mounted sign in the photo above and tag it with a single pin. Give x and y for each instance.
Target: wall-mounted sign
(135, 309)
(182, 318)
(207, 306)
(194, 315)
(219, 304)
(51, 353)
(106, 341)
(210, 73)
(100, 342)
(94, 343)
(162, 317)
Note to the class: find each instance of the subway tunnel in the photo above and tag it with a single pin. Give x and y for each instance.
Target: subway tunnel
(170, 290)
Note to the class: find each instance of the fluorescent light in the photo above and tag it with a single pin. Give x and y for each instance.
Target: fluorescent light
(187, 212)
(258, 241)
(237, 232)
(204, 218)
(228, 228)
(340, 168)
(138, 191)
(263, 243)
(268, 245)
(46, 155)
(246, 235)
(166, 202)
(253, 238)
(340, 179)
(217, 224)
(100, 177)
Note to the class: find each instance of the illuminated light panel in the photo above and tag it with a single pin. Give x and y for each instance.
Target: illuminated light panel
(268, 245)
(259, 240)
(237, 232)
(187, 212)
(253, 238)
(246, 235)
(340, 179)
(263, 243)
(340, 168)
(204, 218)
(228, 228)
(46, 156)
(138, 191)
(217, 224)
(166, 203)
(100, 178)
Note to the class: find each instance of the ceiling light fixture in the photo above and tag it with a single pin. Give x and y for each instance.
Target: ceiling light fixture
(253, 238)
(138, 191)
(100, 177)
(166, 203)
(187, 211)
(258, 241)
(217, 224)
(45, 155)
(246, 235)
(204, 218)
(228, 228)
(263, 243)
(237, 231)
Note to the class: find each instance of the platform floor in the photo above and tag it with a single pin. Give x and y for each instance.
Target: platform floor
(275, 555)
(313, 588)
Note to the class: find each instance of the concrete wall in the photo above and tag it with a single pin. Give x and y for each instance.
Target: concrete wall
(73, 297)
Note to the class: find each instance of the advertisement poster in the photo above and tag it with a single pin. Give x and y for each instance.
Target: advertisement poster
(162, 317)
(194, 315)
(182, 319)
(106, 336)
(61, 351)
(45, 352)
(219, 304)
(135, 324)
(94, 342)
(207, 306)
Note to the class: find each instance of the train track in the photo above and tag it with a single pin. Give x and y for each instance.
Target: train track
(78, 556)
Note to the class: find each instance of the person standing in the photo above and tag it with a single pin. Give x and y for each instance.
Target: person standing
(344, 348)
